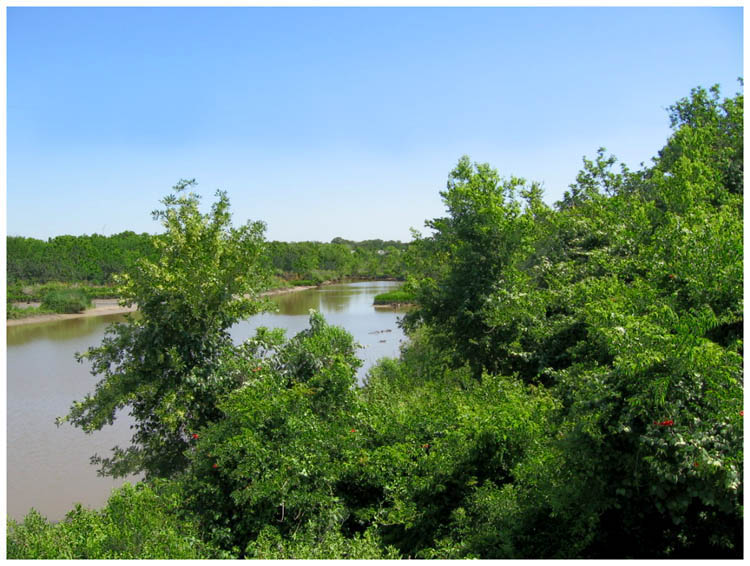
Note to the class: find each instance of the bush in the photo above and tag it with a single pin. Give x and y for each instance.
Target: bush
(316, 277)
(15, 292)
(66, 300)
(437, 469)
(277, 454)
(138, 522)
(13, 312)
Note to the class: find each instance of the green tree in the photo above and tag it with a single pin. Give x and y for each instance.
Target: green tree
(710, 129)
(275, 457)
(596, 178)
(626, 303)
(161, 365)
(486, 233)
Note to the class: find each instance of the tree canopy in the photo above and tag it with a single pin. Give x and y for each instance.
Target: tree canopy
(161, 365)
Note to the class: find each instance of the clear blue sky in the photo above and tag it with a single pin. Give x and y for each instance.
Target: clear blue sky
(337, 121)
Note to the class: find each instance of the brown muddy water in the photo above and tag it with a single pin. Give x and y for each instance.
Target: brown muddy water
(48, 466)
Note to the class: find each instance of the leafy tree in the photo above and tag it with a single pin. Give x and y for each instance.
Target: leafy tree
(335, 257)
(711, 128)
(276, 455)
(75, 259)
(25, 259)
(161, 364)
(595, 179)
(486, 233)
(95, 259)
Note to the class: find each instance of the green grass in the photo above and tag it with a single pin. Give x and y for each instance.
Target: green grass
(394, 297)
(13, 312)
(19, 292)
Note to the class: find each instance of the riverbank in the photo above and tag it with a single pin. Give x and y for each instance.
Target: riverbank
(111, 306)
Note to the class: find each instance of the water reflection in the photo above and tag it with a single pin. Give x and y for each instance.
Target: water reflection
(65, 329)
(298, 302)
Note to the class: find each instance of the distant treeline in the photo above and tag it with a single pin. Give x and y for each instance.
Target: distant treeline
(91, 259)
(318, 261)
(94, 259)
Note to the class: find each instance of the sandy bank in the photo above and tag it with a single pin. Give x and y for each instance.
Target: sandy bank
(286, 290)
(111, 306)
(101, 307)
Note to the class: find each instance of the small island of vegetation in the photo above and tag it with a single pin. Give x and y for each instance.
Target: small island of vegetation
(399, 297)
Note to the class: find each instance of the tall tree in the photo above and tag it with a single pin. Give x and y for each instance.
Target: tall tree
(161, 364)
(486, 233)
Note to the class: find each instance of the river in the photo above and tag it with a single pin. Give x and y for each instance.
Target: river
(48, 466)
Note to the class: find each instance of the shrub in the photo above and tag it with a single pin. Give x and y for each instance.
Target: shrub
(436, 472)
(138, 522)
(13, 312)
(276, 455)
(66, 300)
(312, 543)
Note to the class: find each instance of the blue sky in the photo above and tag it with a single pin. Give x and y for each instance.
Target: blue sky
(337, 121)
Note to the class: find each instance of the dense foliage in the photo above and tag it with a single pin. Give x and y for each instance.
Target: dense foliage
(316, 262)
(625, 303)
(91, 259)
(271, 467)
(162, 365)
(141, 522)
(397, 297)
(66, 300)
(572, 387)
(94, 260)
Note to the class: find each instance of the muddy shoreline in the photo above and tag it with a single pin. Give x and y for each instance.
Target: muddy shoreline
(111, 306)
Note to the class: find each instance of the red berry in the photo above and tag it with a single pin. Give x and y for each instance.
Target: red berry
(215, 466)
